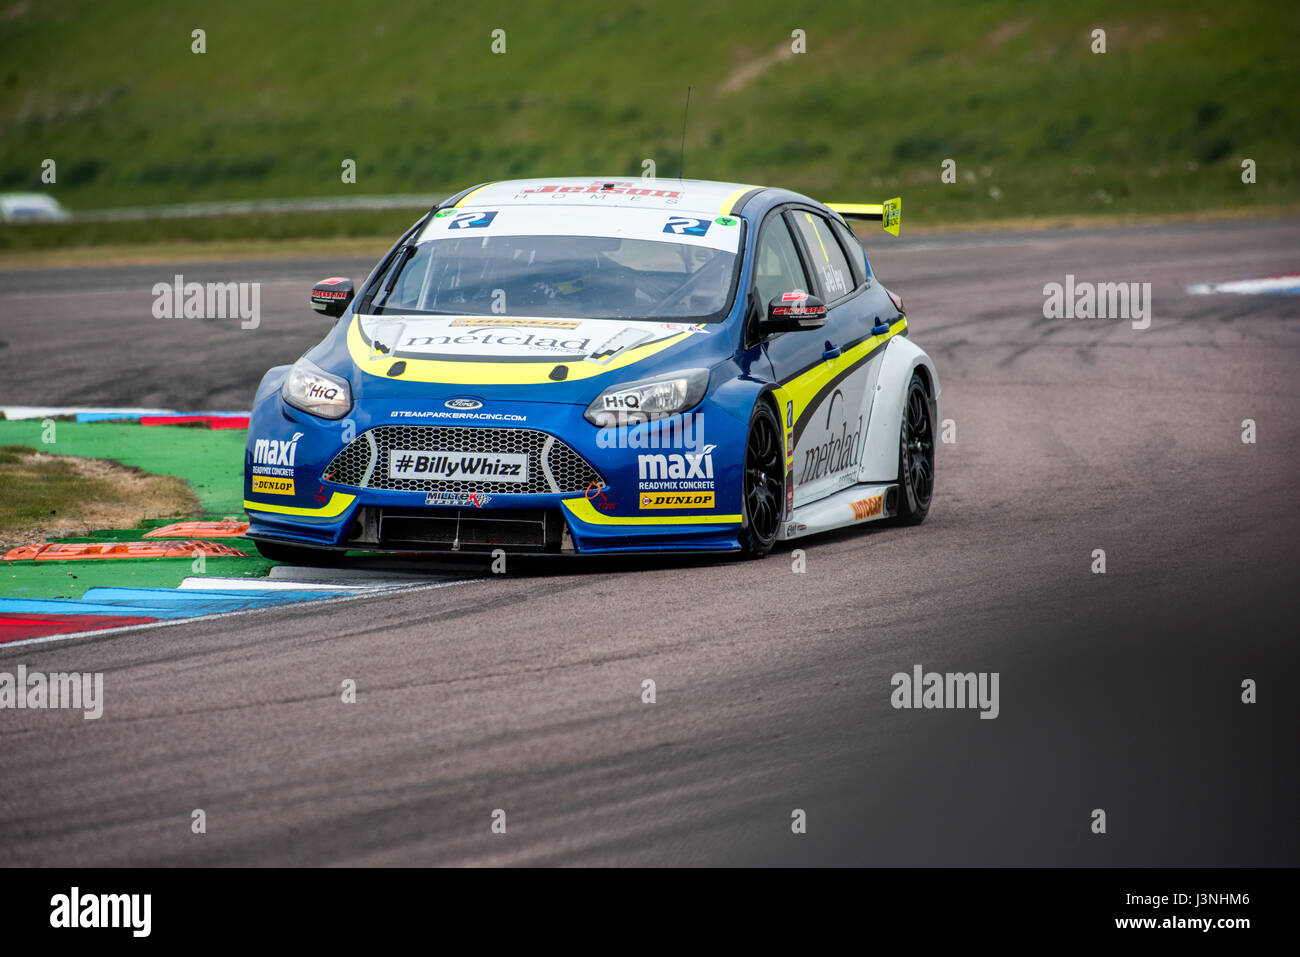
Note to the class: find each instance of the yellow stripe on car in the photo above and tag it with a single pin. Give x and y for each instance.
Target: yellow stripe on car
(584, 511)
(730, 201)
(335, 507)
(804, 390)
(474, 372)
(464, 200)
(816, 232)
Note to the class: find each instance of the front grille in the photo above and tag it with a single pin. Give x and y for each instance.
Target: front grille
(553, 467)
(471, 530)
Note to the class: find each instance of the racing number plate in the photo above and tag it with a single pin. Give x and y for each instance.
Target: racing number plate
(457, 466)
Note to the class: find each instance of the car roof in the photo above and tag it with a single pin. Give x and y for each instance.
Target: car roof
(684, 195)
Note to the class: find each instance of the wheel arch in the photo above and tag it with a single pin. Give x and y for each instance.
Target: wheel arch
(903, 359)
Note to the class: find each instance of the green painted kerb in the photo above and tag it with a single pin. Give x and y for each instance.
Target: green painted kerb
(210, 460)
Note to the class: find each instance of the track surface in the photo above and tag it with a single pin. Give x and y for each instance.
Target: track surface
(522, 692)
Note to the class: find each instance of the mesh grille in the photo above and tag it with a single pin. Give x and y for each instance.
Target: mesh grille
(363, 463)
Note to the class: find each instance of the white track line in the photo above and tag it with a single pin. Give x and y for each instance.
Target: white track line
(277, 584)
(47, 639)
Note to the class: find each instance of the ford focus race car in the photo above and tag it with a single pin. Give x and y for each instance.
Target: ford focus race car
(599, 365)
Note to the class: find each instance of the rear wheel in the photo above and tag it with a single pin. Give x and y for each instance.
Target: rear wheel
(295, 555)
(915, 456)
(764, 483)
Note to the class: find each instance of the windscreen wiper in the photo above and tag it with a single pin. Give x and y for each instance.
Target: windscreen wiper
(403, 257)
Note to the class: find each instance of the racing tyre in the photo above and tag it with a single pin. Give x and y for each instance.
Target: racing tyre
(915, 456)
(764, 483)
(294, 555)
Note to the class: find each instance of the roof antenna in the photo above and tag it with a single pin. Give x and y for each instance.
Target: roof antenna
(681, 166)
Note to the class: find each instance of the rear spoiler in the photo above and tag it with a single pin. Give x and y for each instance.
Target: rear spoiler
(889, 213)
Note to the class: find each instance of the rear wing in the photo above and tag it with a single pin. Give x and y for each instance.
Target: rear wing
(889, 213)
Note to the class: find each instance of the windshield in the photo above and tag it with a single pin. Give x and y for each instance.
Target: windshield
(494, 272)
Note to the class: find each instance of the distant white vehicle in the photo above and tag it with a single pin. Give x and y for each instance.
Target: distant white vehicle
(31, 208)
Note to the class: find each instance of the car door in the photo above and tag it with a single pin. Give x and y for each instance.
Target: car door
(827, 383)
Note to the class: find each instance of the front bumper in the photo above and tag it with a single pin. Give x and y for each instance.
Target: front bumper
(637, 498)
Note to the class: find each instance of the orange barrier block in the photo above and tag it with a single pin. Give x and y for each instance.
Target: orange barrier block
(206, 529)
(74, 551)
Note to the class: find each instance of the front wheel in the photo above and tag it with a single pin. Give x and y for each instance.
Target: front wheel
(764, 483)
(915, 456)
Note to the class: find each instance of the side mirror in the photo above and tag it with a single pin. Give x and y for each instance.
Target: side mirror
(332, 296)
(794, 311)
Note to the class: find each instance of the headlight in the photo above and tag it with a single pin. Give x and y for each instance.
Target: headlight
(313, 390)
(633, 402)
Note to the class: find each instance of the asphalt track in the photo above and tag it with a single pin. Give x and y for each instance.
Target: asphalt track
(523, 692)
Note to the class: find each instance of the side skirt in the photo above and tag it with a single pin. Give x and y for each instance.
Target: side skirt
(855, 505)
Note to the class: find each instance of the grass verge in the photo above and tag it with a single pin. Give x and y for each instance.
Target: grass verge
(51, 496)
(211, 461)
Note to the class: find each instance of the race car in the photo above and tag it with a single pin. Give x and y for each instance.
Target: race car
(589, 366)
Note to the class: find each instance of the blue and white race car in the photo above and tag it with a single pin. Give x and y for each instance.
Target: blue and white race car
(599, 365)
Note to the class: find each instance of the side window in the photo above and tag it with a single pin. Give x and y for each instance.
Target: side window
(777, 268)
(857, 256)
(834, 277)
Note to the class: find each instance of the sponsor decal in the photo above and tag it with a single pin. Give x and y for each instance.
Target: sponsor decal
(475, 416)
(789, 430)
(472, 220)
(796, 304)
(606, 187)
(677, 500)
(687, 226)
(891, 214)
(623, 339)
(322, 391)
(727, 221)
(840, 449)
(676, 471)
(448, 466)
(275, 452)
(598, 498)
(569, 347)
(867, 507)
(458, 499)
(468, 404)
(789, 493)
(320, 495)
(794, 528)
(267, 485)
(517, 323)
